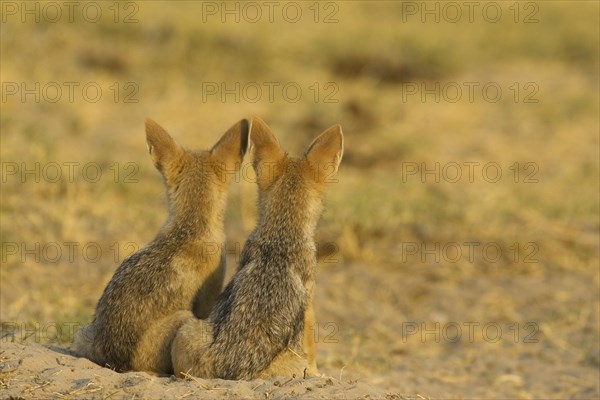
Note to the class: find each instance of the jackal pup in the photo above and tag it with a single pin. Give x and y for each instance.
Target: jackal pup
(181, 271)
(257, 327)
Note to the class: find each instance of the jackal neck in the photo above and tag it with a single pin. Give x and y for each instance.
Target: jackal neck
(290, 214)
(199, 217)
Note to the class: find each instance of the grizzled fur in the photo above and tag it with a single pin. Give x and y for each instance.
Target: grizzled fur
(181, 271)
(257, 327)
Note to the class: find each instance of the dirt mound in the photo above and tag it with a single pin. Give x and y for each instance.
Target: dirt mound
(33, 371)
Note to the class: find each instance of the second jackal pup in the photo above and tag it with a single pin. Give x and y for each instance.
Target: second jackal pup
(257, 327)
(181, 271)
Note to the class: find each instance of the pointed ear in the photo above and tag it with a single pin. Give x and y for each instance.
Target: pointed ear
(325, 153)
(264, 146)
(266, 152)
(161, 145)
(233, 145)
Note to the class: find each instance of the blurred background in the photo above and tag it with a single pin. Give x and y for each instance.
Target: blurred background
(459, 246)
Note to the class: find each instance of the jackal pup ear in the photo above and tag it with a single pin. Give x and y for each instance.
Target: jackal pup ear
(233, 145)
(264, 146)
(325, 153)
(163, 149)
(265, 150)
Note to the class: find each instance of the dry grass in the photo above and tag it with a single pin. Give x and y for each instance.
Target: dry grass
(368, 286)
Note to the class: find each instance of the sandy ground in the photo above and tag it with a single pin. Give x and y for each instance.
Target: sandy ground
(373, 345)
(32, 371)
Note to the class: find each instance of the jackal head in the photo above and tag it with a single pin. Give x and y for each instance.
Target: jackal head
(197, 179)
(289, 184)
